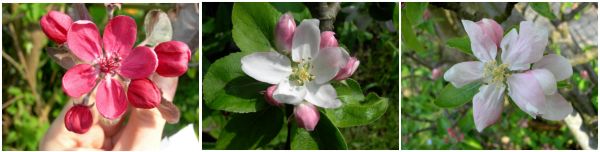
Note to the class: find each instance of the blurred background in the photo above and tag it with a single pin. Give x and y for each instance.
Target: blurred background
(369, 33)
(429, 31)
(32, 96)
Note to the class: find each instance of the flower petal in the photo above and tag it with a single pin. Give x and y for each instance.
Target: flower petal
(305, 43)
(119, 35)
(289, 93)
(140, 64)
(327, 63)
(307, 116)
(284, 32)
(546, 80)
(487, 105)
(464, 73)
(173, 58)
(78, 119)
(483, 46)
(526, 93)
(328, 39)
(55, 25)
(322, 95)
(79, 80)
(558, 65)
(526, 48)
(270, 67)
(83, 40)
(110, 98)
(557, 108)
(143, 93)
(492, 29)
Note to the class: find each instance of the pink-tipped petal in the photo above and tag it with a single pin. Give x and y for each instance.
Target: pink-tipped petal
(139, 64)
(491, 29)
(526, 92)
(119, 35)
(173, 57)
(558, 65)
(83, 40)
(55, 25)
(464, 73)
(524, 48)
(328, 39)
(79, 80)
(348, 70)
(110, 98)
(483, 46)
(269, 96)
(557, 108)
(78, 119)
(143, 93)
(487, 105)
(284, 32)
(307, 116)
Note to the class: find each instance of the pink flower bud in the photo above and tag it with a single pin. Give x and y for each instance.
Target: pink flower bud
(436, 73)
(173, 58)
(269, 96)
(143, 93)
(491, 29)
(307, 116)
(284, 32)
(55, 25)
(584, 74)
(328, 40)
(347, 70)
(78, 119)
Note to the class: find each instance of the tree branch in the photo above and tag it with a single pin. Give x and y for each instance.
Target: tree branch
(326, 13)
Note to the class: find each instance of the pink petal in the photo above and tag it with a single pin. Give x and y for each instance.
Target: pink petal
(491, 29)
(464, 73)
(557, 108)
(119, 35)
(55, 25)
(526, 92)
(558, 65)
(84, 40)
(545, 79)
(487, 105)
(78, 119)
(328, 39)
(307, 116)
(173, 57)
(79, 80)
(284, 32)
(525, 48)
(269, 96)
(110, 98)
(140, 64)
(483, 46)
(143, 93)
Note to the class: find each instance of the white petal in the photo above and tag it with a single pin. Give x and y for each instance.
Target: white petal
(557, 108)
(558, 65)
(326, 64)
(464, 73)
(487, 105)
(546, 80)
(528, 47)
(270, 67)
(306, 40)
(289, 93)
(322, 95)
(483, 46)
(526, 92)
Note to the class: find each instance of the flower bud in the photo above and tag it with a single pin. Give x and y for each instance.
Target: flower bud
(173, 58)
(328, 40)
(78, 119)
(143, 93)
(348, 69)
(436, 73)
(284, 32)
(584, 74)
(307, 116)
(491, 29)
(269, 96)
(55, 25)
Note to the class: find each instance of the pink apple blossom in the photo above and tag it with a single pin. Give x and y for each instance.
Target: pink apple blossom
(284, 32)
(269, 96)
(78, 119)
(349, 64)
(55, 25)
(306, 115)
(532, 88)
(173, 57)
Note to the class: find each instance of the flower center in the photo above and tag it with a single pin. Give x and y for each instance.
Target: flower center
(109, 63)
(301, 74)
(495, 73)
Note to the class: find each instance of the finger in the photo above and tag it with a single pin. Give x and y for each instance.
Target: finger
(142, 131)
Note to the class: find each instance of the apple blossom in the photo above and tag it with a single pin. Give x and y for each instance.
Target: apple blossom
(143, 93)
(349, 64)
(269, 96)
(306, 115)
(284, 32)
(532, 88)
(78, 119)
(173, 57)
(55, 25)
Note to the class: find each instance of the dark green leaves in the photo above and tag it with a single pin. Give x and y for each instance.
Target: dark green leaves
(253, 26)
(325, 136)
(543, 8)
(227, 87)
(461, 43)
(453, 97)
(252, 130)
(408, 34)
(356, 110)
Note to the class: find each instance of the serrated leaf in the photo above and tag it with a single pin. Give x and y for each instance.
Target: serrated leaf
(324, 136)
(157, 27)
(451, 96)
(253, 26)
(463, 44)
(251, 130)
(226, 87)
(543, 8)
(356, 110)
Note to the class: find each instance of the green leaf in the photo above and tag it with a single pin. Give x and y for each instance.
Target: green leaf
(252, 130)
(325, 136)
(466, 123)
(408, 34)
(356, 110)
(226, 87)
(157, 27)
(415, 11)
(463, 44)
(543, 8)
(395, 19)
(451, 96)
(298, 10)
(253, 26)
